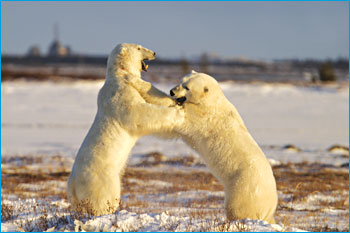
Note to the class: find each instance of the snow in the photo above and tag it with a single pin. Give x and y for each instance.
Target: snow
(150, 182)
(165, 222)
(129, 221)
(53, 118)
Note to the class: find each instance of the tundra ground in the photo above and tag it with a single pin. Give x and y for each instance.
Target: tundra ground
(312, 196)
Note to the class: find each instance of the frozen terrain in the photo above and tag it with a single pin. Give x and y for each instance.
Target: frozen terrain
(44, 123)
(53, 118)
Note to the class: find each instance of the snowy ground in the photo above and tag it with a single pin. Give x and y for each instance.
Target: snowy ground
(44, 123)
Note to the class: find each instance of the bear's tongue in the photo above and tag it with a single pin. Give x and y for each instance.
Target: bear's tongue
(144, 66)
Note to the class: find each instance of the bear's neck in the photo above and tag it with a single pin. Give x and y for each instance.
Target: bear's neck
(118, 69)
(119, 73)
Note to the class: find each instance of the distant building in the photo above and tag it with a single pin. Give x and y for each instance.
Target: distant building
(56, 49)
(34, 51)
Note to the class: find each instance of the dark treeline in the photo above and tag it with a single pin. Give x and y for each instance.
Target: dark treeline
(340, 63)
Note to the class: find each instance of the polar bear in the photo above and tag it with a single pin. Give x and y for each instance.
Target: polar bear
(214, 128)
(122, 117)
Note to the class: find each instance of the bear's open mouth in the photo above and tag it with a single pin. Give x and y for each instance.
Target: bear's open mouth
(180, 101)
(144, 66)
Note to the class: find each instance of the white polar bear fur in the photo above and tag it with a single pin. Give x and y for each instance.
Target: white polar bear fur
(122, 117)
(214, 128)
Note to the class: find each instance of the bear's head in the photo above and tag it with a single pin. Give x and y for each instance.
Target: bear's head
(129, 58)
(198, 89)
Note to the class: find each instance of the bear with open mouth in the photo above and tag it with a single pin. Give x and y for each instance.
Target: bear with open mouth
(122, 117)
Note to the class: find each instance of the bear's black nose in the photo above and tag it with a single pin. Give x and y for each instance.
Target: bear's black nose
(154, 53)
(172, 93)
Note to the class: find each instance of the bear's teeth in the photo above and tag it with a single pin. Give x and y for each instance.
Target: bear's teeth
(144, 66)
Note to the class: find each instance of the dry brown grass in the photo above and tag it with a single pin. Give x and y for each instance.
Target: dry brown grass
(7, 212)
(303, 179)
(295, 181)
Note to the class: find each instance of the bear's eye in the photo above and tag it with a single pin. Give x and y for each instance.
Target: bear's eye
(186, 88)
(138, 48)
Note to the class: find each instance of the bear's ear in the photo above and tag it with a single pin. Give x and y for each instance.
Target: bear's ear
(206, 89)
(123, 51)
(193, 72)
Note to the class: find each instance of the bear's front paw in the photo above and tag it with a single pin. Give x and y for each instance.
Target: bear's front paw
(180, 115)
(172, 103)
(140, 85)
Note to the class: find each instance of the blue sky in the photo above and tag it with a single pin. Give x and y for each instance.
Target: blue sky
(256, 30)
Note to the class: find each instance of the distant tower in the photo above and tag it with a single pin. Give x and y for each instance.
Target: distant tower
(56, 49)
(55, 32)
